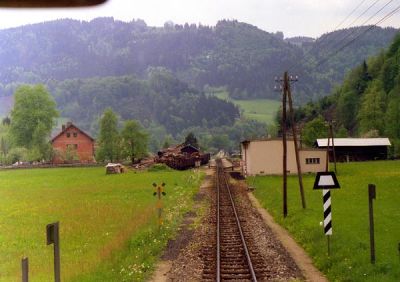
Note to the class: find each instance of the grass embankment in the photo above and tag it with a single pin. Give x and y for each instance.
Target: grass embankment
(350, 252)
(262, 110)
(108, 223)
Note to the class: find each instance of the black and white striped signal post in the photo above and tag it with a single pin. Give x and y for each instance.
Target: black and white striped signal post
(326, 196)
(327, 181)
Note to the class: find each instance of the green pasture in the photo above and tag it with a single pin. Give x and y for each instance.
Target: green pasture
(108, 223)
(262, 110)
(350, 251)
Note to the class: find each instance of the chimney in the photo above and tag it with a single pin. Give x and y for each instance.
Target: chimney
(63, 127)
(69, 124)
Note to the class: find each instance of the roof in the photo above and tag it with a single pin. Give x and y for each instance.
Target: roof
(354, 142)
(267, 140)
(69, 125)
(190, 146)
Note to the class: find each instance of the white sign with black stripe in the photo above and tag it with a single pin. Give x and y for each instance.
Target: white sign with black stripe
(326, 181)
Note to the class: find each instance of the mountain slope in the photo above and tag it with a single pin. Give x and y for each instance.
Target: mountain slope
(368, 102)
(233, 54)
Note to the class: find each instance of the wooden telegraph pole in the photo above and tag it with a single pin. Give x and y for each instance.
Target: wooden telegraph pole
(296, 146)
(286, 93)
(333, 142)
(284, 142)
(330, 137)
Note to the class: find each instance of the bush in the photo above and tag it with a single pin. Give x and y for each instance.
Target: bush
(17, 154)
(159, 167)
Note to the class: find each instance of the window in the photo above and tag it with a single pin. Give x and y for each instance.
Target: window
(68, 134)
(72, 146)
(312, 160)
(75, 134)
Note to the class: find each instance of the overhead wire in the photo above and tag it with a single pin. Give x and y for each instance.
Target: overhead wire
(386, 17)
(333, 37)
(320, 43)
(364, 23)
(351, 33)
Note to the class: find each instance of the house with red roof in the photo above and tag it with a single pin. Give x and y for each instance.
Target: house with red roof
(72, 145)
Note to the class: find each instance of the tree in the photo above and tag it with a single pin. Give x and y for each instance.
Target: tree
(371, 115)
(109, 138)
(134, 140)
(32, 120)
(190, 139)
(392, 117)
(313, 130)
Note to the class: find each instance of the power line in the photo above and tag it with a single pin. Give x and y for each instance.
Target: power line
(355, 38)
(363, 13)
(351, 24)
(349, 15)
(351, 33)
(365, 22)
(319, 44)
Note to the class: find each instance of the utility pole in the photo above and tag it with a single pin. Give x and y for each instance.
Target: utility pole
(296, 146)
(330, 137)
(333, 142)
(286, 93)
(327, 155)
(284, 142)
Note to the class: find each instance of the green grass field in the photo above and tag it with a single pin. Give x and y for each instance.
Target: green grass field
(108, 223)
(350, 258)
(262, 110)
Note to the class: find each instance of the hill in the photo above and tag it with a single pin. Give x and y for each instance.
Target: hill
(158, 75)
(237, 55)
(368, 102)
(160, 99)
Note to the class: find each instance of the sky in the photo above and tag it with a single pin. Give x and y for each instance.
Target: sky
(293, 17)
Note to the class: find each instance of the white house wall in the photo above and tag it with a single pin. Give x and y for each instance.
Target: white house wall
(266, 157)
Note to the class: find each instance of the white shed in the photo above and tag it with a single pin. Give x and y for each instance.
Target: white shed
(266, 157)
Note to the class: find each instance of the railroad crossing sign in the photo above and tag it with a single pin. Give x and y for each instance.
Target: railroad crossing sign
(158, 192)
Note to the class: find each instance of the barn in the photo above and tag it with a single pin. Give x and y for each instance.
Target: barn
(266, 157)
(72, 145)
(356, 149)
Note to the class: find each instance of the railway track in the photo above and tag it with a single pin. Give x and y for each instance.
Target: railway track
(231, 255)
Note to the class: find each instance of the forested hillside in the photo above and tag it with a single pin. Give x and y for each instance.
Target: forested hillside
(368, 102)
(158, 75)
(160, 99)
(237, 55)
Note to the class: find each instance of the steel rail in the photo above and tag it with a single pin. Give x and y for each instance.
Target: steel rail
(248, 258)
(218, 278)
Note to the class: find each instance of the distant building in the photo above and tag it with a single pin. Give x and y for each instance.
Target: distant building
(266, 157)
(356, 149)
(182, 157)
(72, 145)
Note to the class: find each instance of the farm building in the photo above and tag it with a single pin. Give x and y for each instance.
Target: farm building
(356, 149)
(266, 157)
(72, 145)
(182, 157)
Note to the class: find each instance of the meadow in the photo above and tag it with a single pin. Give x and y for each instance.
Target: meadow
(108, 223)
(262, 110)
(350, 247)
